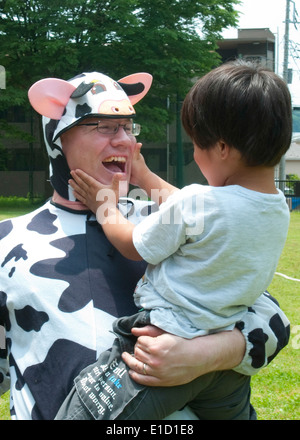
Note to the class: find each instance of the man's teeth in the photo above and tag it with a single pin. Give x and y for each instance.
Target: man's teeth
(115, 159)
(115, 164)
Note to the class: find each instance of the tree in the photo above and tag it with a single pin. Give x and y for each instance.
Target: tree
(174, 40)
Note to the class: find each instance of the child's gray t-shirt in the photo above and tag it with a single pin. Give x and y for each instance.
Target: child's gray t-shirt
(212, 251)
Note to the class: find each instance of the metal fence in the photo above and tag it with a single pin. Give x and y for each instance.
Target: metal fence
(289, 187)
(291, 190)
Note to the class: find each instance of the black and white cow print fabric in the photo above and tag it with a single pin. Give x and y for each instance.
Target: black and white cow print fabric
(61, 286)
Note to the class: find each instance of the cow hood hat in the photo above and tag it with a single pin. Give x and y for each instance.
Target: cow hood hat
(64, 104)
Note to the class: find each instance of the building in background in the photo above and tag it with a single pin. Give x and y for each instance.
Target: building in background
(255, 45)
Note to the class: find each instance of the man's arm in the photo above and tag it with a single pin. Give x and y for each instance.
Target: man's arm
(4, 375)
(252, 345)
(171, 360)
(4, 365)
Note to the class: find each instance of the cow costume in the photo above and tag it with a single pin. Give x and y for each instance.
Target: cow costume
(62, 284)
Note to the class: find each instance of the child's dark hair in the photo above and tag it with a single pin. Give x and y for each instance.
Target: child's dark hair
(244, 105)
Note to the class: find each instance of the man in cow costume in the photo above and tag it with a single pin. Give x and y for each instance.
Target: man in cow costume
(62, 284)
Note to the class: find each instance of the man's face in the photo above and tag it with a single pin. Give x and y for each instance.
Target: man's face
(100, 155)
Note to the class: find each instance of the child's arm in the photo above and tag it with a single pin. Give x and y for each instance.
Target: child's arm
(156, 188)
(117, 229)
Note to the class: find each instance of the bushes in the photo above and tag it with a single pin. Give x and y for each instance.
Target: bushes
(20, 202)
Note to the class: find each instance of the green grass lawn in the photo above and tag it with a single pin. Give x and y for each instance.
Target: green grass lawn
(276, 389)
(15, 206)
(11, 212)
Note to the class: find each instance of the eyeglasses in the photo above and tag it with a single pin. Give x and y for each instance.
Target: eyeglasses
(111, 127)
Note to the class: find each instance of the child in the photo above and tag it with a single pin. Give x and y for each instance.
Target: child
(212, 250)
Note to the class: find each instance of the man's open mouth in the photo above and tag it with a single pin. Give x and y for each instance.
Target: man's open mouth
(115, 164)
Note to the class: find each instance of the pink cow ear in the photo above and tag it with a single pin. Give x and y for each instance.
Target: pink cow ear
(138, 78)
(50, 96)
